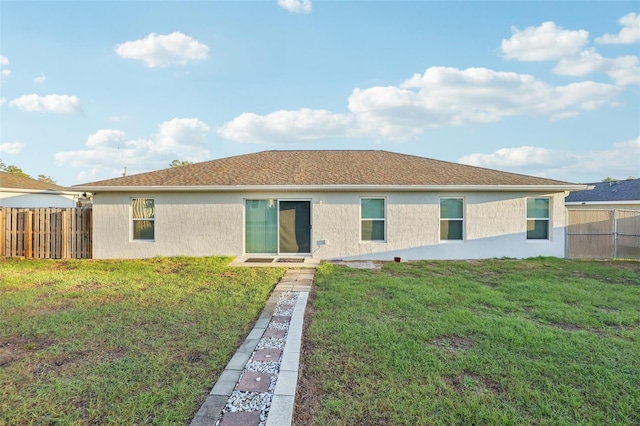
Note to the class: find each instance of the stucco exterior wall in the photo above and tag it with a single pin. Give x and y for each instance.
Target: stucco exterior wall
(204, 224)
(28, 200)
(185, 224)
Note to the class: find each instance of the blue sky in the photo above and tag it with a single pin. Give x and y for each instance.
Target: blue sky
(541, 88)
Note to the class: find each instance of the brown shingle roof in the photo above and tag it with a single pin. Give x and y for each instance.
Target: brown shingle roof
(8, 180)
(284, 168)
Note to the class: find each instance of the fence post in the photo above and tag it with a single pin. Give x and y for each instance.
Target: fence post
(28, 234)
(2, 240)
(615, 233)
(65, 225)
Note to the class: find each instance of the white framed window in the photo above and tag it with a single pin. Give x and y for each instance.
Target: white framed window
(373, 219)
(538, 218)
(451, 219)
(142, 219)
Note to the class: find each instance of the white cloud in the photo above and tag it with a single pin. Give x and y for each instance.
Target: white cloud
(4, 73)
(623, 70)
(2, 100)
(286, 126)
(581, 64)
(630, 32)
(40, 79)
(60, 104)
(519, 157)
(441, 97)
(544, 43)
(106, 138)
(622, 159)
(109, 150)
(163, 50)
(11, 147)
(296, 6)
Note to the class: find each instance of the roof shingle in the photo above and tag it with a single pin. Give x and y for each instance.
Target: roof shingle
(621, 190)
(9, 180)
(323, 167)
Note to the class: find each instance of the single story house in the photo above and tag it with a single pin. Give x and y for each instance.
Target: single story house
(325, 204)
(618, 194)
(19, 191)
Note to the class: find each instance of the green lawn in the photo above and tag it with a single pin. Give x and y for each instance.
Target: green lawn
(540, 341)
(120, 342)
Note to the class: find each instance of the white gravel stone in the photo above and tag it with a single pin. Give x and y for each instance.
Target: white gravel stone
(248, 401)
(288, 297)
(270, 367)
(283, 312)
(278, 326)
(271, 343)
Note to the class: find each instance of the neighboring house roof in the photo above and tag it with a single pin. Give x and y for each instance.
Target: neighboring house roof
(613, 192)
(11, 181)
(324, 169)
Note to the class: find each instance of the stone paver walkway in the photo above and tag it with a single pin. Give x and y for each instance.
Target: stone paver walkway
(237, 376)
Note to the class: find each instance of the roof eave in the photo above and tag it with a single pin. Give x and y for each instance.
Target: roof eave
(336, 188)
(601, 202)
(42, 191)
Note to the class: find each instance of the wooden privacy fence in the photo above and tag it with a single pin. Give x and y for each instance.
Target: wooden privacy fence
(603, 234)
(45, 233)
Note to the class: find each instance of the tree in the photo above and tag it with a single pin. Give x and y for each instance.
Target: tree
(609, 179)
(46, 179)
(14, 170)
(178, 163)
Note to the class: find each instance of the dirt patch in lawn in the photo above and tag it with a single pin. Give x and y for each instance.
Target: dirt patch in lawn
(16, 348)
(471, 382)
(490, 278)
(453, 345)
(191, 356)
(574, 328)
(48, 309)
(84, 286)
(28, 285)
(566, 327)
(68, 363)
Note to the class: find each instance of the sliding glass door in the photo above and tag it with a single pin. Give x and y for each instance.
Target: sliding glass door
(261, 226)
(295, 227)
(274, 227)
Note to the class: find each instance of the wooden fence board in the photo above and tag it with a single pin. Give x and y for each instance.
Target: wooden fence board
(603, 234)
(54, 233)
(2, 232)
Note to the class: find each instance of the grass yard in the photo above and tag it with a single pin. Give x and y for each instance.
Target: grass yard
(120, 342)
(540, 341)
